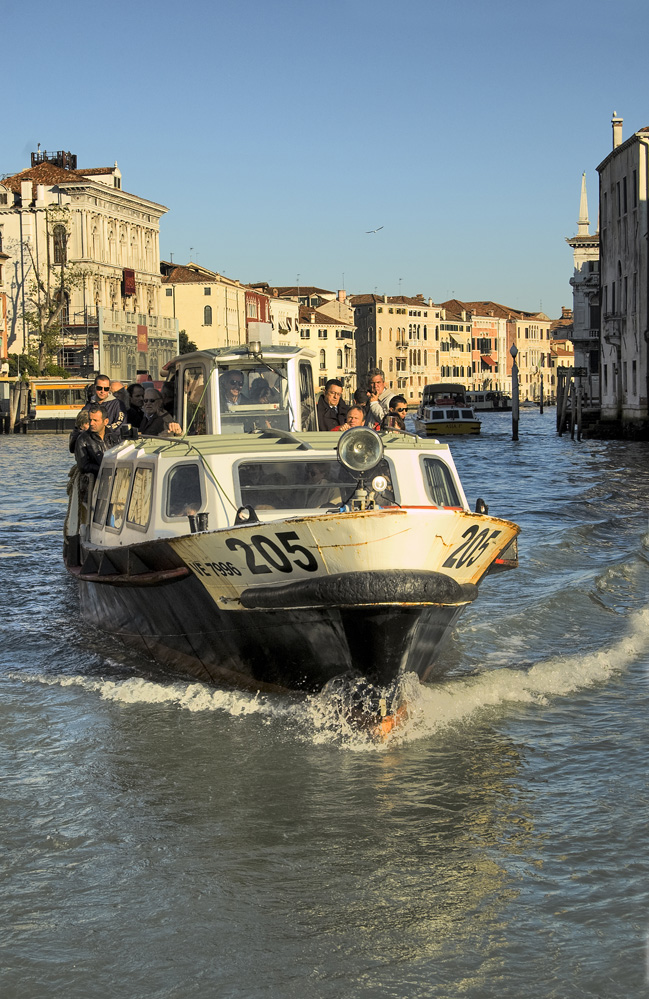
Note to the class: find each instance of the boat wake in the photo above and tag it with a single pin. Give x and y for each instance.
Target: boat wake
(423, 710)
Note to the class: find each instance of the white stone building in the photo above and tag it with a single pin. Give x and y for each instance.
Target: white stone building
(624, 267)
(54, 216)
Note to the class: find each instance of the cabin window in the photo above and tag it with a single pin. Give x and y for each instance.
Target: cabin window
(103, 492)
(467, 414)
(118, 498)
(184, 495)
(254, 398)
(194, 392)
(308, 484)
(139, 507)
(439, 482)
(306, 398)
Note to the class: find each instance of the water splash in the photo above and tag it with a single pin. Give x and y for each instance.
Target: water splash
(430, 709)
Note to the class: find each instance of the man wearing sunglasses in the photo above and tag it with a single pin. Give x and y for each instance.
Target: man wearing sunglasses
(114, 408)
(231, 384)
(395, 418)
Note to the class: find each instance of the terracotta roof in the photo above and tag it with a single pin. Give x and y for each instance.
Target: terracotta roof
(420, 302)
(293, 291)
(43, 173)
(320, 319)
(181, 274)
(93, 170)
(50, 176)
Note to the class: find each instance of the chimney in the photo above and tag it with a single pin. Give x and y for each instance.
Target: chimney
(342, 295)
(385, 298)
(40, 195)
(430, 303)
(26, 195)
(617, 130)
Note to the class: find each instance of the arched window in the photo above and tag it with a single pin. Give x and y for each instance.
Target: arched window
(323, 359)
(60, 244)
(207, 315)
(339, 358)
(425, 358)
(390, 364)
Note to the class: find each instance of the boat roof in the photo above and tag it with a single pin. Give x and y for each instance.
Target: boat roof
(445, 387)
(240, 353)
(276, 441)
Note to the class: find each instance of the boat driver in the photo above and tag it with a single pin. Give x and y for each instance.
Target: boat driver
(230, 386)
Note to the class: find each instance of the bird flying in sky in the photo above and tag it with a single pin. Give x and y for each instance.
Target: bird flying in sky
(368, 231)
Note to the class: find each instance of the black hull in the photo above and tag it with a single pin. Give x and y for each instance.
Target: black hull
(273, 648)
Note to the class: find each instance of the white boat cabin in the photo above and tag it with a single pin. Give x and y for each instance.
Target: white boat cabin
(235, 390)
(150, 488)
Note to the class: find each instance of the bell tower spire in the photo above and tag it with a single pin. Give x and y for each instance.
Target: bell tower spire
(582, 222)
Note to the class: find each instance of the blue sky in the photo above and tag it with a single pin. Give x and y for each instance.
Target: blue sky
(277, 133)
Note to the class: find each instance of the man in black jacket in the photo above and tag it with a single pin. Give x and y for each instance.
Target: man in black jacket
(91, 444)
(102, 395)
(331, 409)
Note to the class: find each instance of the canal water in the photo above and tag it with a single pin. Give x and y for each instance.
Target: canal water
(164, 840)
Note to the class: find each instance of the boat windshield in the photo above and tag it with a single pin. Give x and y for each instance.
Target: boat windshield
(254, 398)
(305, 484)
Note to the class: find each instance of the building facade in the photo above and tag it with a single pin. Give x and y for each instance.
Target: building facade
(332, 342)
(624, 277)
(79, 236)
(208, 306)
(400, 335)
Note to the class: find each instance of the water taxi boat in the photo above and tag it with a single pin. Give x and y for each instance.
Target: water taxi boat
(262, 554)
(489, 402)
(445, 410)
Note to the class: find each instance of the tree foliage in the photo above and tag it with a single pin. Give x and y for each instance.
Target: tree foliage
(185, 345)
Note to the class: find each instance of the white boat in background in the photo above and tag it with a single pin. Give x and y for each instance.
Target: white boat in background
(489, 401)
(279, 558)
(444, 410)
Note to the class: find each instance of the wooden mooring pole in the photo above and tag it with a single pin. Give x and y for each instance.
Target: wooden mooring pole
(513, 350)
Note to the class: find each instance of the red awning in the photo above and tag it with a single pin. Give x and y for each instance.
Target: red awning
(486, 359)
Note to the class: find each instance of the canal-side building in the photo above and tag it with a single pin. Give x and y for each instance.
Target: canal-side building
(332, 341)
(83, 238)
(455, 344)
(209, 307)
(400, 335)
(624, 280)
(585, 332)
(531, 332)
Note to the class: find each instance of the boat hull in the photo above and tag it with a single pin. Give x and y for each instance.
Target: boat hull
(275, 648)
(440, 428)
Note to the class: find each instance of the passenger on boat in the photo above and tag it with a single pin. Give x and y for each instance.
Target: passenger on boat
(82, 422)
(355, 418)
(135, 413)
(156, 422)
(167, 390)
(379, 399)
(230, 384)
(260, 393)
(321, 491)
(331, 409)
(92, 443)
(395, 418)
(115, 408)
